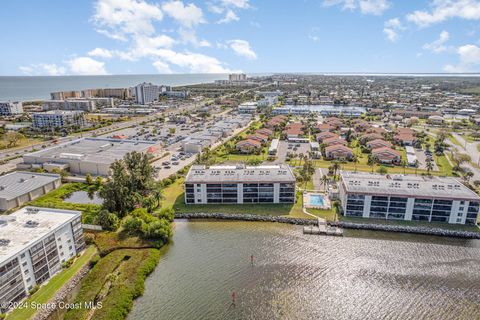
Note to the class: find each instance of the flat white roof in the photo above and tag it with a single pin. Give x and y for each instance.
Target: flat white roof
(412, 186)
(19, 235)
(18, 183)
(91, 150)
(240, 173)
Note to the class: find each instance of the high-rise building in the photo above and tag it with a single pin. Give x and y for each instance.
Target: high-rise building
(8, 108)
(237, 77)
(146, 93)
(34, 242)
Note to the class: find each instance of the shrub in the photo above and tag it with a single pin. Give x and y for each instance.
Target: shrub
(159, 229)
(94, 260)
(166, 213)
(34, 289)
(109, 221)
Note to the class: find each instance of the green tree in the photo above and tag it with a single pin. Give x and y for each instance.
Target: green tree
(459, 159)
(88, 179)
(429, 165)
(416, 164)
(382, 170)
(109, 221)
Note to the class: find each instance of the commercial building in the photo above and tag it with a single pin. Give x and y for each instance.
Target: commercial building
(34, 242)
(146, 93)
(18, 187)
(58, 119)
(240, 184)
(8, 108)
(87, 155)
(62, 95)
(407, 197)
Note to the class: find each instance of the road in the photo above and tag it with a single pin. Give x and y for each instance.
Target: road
(471, 150)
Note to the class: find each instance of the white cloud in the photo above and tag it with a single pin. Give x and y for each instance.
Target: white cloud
(187, 15)
(374, 7)
(162, 67)
(242, 48)
(43, 69)
(100, 53)
(190, 36)
(391, 34)
(469, 56)
(438, 45)
(446, 9)
(230, 16)
(195, 62)
(116, 18)
(313, 35)
(241, 4)
(391, 29)
(86, 66)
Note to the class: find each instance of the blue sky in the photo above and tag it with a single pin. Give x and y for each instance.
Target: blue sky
(60, 37)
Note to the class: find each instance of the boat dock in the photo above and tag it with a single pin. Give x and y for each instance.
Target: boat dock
(323, 229)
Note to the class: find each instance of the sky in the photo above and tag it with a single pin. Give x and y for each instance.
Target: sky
(95, 37)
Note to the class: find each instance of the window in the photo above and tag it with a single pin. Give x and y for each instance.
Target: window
(22, 255)
(24, 264)
(70, 248)
(26, 271)
(28, 279)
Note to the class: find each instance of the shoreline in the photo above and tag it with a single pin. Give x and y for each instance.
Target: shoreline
(346, 225)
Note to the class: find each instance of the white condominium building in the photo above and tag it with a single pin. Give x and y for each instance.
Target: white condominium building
(407, 197)
(58, 119)
(8, 108)
(237, 77)
(146, 93)
(34, 242)
(240, 184)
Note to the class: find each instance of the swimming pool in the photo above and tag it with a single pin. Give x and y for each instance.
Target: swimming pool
(316, 200)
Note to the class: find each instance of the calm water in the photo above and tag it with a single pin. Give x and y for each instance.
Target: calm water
(298, 276)
(84, 197)
(31, 88)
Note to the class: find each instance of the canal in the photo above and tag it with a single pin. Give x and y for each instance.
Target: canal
(364, 275)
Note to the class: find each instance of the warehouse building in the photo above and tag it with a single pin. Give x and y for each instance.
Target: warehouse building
(34, 242)
(407, 197)
(240, 184)
(18, 187)
(87, 155)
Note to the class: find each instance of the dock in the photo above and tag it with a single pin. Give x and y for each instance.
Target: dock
(323, 229)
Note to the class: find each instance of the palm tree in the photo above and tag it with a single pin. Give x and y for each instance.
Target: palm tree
(355, 161)
(416, 164)
(325, 181)
(371, 161)
(404, 166)
(335, 167)
(429, 165)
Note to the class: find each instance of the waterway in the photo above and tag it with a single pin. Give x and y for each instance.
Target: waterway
(364, 275)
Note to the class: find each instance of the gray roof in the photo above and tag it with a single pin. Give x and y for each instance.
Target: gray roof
(14, 227)
(406, 185)
(240, 173)
(92, 150)
(18, 183)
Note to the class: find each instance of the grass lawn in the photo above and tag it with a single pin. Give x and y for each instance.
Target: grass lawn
(438, 225)
(20, 144)
(47, 291)
(54, 199)
(174, 197)
(117, 278)
(443, 165)
(328, 215)
(454, 140)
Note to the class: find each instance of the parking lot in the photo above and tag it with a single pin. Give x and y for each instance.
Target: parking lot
(285, 147)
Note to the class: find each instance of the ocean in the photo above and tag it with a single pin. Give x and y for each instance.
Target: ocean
(39, 88)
